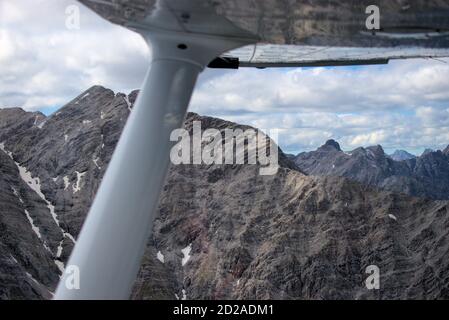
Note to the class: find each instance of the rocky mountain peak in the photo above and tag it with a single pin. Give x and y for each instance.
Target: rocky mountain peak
(377, 150)
(400, 155)
(331, 144)
(446, 151)
(427, 151)
(369, 152)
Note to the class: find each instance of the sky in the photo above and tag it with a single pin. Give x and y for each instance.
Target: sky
(402, 105)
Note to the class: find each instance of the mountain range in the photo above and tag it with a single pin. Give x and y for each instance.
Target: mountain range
(224, 231)
(425, 176)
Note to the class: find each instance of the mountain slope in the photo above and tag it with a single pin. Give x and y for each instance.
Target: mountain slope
(59, 162)
(290, 236)
(24, 241)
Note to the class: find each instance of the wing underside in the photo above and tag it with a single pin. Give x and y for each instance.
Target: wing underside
(297, 32)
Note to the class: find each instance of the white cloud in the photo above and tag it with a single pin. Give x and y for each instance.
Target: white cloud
(7, 46)
(12, 13)
(406, 84)
(431, 116)
(401, 105)
(44, 62)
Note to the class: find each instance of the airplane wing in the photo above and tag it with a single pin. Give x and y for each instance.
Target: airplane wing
(298, 32)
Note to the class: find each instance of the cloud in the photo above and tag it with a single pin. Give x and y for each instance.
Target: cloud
(431, 117)
(405, 85)
(50, 64)
(401, 105)
(404, 104)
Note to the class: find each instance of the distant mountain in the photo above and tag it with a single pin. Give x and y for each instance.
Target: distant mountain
(446, 151)
(222, 231)
(425, 176)
(400, 155)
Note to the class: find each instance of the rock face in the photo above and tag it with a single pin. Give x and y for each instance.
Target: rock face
(294, 237)
(51, 167)
(25, 242)
(425, 176)
(223, 231)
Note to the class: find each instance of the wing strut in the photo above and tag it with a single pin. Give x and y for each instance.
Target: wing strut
(112, 241)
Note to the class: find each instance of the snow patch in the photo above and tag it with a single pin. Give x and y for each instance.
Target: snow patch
(2, 147)
(66, 137)
(95, 161)
(31, 278)
(392, 216)
(60, 266)
(33, 226)
(77, 186)
(86, 121)
(58, 262)
(31, 221)
(17, 195)
(59, 250)
(128, 103)
(55, 179)
(68, 235)
(184, 295)
(35, 185)
(14, 259)
(66, 182)
(101, 115)
(160, 256)
(186, 252)
(41, 125)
